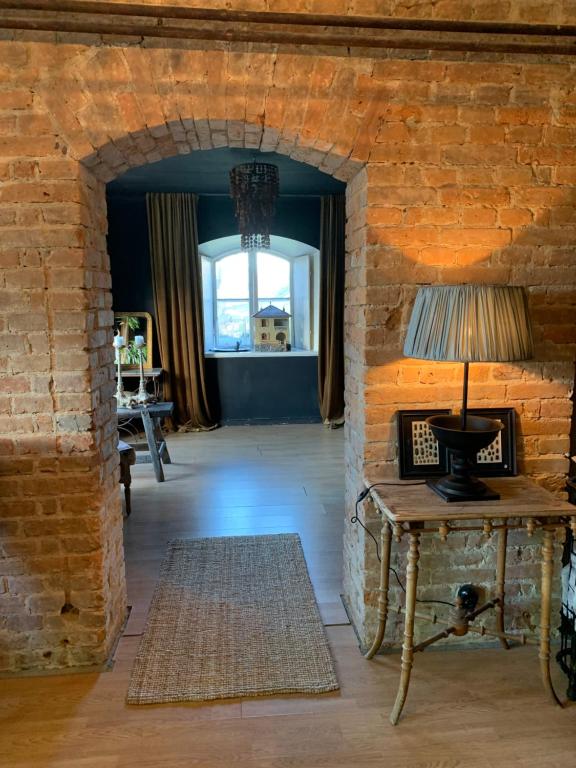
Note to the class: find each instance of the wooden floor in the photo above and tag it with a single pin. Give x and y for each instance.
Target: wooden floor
(475, 709)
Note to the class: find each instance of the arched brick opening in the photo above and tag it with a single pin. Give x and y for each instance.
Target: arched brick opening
(73, 469)
(169, 139)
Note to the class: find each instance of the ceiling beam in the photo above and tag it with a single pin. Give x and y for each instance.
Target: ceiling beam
(266, 17)
(320, 31)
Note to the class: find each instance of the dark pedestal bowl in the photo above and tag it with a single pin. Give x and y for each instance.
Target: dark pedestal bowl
(463, 445)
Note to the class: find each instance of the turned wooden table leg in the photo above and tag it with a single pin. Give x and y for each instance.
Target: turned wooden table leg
(385, 545)
(408, 644)
(501, 581)
(545, 602)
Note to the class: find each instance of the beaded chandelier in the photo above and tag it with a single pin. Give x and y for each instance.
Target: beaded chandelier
(254, 188)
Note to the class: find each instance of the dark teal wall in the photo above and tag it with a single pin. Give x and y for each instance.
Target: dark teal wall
(244, 387)
(130, 254)
(296, 217)
(265, 390)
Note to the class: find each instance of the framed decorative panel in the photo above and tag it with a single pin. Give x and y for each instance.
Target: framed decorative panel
(420, 454)
(499, 459)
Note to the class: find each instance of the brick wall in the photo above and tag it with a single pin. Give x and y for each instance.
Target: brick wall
(460, 169)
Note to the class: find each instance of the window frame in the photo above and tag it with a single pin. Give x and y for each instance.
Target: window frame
(303, 306)
(253, 298)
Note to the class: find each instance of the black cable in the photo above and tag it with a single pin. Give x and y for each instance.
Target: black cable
(355, 519)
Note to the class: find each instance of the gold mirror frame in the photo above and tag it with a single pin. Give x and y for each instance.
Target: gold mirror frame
(145, 329)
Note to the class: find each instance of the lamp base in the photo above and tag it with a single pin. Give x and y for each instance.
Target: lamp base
(463, 445)
(452, 488)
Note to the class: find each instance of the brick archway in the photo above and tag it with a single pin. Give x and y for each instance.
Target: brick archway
(82, 591)
(167, 140)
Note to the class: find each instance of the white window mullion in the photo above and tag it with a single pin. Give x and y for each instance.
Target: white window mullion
(291, 307)
(214, 306)
(253, 285)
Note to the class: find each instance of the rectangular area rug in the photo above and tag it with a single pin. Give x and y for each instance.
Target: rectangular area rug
(232, 616)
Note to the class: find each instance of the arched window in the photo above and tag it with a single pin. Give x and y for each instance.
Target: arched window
(237, 284)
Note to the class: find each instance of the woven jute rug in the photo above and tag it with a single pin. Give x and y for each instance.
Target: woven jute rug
(232, 616)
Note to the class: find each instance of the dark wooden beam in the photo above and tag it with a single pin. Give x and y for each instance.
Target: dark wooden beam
(298, 19)
(321, 31)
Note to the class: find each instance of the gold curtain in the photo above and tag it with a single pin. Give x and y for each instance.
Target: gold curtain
(177, 283)
(331, 336)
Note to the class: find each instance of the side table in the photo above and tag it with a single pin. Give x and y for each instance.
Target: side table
(151, 416)
(414, 510)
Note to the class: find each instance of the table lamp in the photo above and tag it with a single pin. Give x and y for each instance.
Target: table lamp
(467, 324)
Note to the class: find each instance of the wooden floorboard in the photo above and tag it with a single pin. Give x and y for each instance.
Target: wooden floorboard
(472, 709)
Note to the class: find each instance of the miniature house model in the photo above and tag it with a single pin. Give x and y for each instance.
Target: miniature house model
(271, 330)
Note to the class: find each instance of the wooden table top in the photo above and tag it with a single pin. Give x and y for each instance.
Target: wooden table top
(154, 409)
(149, 373)
(519, 497)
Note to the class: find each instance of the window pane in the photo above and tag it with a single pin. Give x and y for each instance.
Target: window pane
(232, 277)
(233, 323)
(208, 300)
(273, 275)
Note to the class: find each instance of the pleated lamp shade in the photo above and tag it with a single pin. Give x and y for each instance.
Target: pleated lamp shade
(470, 323)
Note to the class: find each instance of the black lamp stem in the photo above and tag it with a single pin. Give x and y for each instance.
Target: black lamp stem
(463, 412)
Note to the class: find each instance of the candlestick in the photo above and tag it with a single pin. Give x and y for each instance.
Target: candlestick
(121, 398)
(142, 396)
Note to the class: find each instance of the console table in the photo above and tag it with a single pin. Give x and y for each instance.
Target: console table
(414, 510)
(151, 416)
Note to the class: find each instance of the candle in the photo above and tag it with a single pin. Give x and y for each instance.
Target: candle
(118, 341)
(139, 341)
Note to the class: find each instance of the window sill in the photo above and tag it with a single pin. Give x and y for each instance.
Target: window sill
(251, 353)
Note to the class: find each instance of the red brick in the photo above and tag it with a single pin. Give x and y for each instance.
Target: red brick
(428, 214)
(522, 116)
(384, 216)
(32, 404)
(453, 134)
(18, 99)
(566, 175)
(494, 155)
(476, 72)
(515, 217)
(479, 217)
(525, 134)
(477, 236)
(30, 146)
(405, 153)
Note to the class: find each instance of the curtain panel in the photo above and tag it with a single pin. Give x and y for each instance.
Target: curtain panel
(331, 335)
(177, 283)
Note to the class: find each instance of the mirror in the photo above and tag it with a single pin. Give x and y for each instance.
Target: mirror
(129, 325)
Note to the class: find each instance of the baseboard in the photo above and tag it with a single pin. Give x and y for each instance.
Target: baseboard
(278, 420)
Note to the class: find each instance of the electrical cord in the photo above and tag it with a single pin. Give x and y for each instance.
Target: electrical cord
(355, 519)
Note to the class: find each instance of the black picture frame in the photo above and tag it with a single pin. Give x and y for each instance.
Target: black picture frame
(499, 459)
(411, 456)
